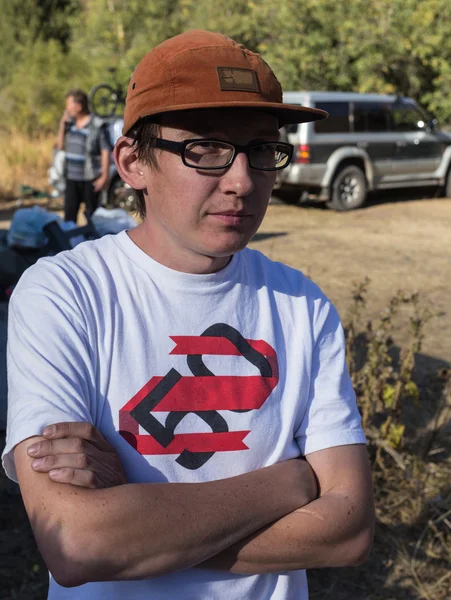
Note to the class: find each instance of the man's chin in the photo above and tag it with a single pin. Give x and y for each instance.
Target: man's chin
(226, 247)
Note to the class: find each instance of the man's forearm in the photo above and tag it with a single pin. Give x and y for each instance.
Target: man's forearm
(105, 163)
(60, 136)
(329, 532)
(138, 531)
(159, 528)
(332, 531)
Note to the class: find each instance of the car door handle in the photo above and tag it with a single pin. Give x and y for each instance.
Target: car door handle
(401, 144)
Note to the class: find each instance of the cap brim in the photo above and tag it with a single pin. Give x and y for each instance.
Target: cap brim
(286, 113)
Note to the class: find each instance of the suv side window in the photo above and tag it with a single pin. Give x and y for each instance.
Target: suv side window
(371, 117)
(338, 121)
(407, 117)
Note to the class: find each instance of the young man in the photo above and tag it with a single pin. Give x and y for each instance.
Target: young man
(215, 377)
(85, 141)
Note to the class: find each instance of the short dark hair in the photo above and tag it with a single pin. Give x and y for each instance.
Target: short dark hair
(80, 97)
(143, 134)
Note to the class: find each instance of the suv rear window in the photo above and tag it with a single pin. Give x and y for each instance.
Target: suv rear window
(371, 116)
(407, 117)
(338, 121)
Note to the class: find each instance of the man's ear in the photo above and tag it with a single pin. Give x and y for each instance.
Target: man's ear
(128, 165)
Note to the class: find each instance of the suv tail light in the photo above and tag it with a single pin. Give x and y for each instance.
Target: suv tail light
(302, 154)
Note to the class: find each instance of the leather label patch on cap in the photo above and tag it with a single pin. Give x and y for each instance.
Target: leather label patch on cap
(238, 80)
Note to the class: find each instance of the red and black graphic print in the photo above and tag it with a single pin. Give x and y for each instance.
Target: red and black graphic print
(203, 394)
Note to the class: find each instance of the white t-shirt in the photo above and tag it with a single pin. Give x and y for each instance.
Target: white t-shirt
(191, 377)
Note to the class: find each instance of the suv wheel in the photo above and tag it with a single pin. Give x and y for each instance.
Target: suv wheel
(348, 190)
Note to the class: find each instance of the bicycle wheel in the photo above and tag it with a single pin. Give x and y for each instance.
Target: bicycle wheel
(103, 100)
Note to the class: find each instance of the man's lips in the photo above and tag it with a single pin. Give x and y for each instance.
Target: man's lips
(231, 217)
(233, 213)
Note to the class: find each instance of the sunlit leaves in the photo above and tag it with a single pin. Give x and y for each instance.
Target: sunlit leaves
(386, 46)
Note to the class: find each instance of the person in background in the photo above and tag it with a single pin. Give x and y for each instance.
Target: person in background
(84, 138)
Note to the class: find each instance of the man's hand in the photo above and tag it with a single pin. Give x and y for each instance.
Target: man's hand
(99, 183)
(77, 453)
(65, 118)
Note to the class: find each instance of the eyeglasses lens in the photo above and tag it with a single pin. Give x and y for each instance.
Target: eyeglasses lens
(214, 154)
(269, 156)
(208, 154)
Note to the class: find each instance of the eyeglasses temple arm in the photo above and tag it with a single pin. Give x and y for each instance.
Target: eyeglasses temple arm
(169, 145)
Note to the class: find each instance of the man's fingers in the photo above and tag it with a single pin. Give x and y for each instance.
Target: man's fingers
(77, 453)
(73, 461)
(79, 477)
(75, 445)
(95, 471)
(68, 429)
(76, 430)
(98, 184)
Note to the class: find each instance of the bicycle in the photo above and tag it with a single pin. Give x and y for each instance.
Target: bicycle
(104, 99)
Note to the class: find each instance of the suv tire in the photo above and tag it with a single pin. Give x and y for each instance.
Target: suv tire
(288, 196)
(348, 189)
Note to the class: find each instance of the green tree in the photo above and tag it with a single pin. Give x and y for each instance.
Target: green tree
(34, 99)
(385, 46)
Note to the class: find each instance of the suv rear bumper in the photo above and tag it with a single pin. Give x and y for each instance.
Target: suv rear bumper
(304, 176)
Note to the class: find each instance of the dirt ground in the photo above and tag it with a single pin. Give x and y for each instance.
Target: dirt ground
(397, 243)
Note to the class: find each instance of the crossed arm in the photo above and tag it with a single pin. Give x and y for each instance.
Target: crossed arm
(270, 520)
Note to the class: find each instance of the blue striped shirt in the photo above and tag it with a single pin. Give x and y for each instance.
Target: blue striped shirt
(76, 152)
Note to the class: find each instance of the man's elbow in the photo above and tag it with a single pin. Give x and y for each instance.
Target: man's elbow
(65, 576)
(360, 547)
(70, 558)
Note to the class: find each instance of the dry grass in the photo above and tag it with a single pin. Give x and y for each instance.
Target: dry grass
(23, 161)
(411, 559)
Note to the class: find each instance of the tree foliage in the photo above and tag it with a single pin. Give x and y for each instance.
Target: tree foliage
(387, 46)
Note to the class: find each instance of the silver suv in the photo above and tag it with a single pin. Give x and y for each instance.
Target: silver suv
(369, 142)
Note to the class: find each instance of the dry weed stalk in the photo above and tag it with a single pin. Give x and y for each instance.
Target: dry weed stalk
(412, 487)
(382, 384)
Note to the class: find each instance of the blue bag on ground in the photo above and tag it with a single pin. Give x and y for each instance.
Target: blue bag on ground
(27, 224)
(112, 220)
(26, 230)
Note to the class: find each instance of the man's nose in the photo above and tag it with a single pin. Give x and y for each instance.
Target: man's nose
(238, 179)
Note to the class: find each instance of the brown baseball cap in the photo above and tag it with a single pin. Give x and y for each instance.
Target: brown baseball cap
(202, 69)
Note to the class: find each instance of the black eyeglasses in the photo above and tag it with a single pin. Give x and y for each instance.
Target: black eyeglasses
(216, 154)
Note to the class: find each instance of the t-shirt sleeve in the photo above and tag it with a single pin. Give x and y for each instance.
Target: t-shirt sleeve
(331, 417)
(50, 373)
(105, 141)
